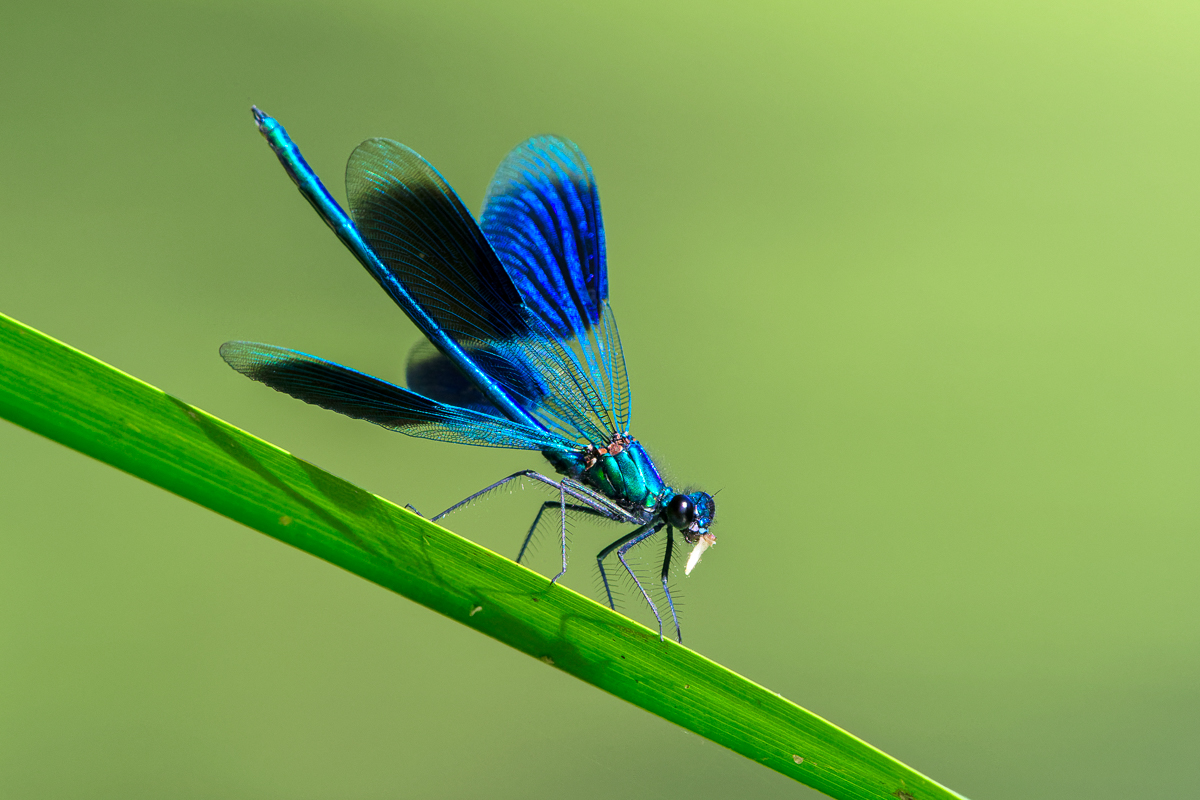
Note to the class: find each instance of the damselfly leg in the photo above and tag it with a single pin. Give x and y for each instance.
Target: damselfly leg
(563, 510)
(666, 568)
(622, 546)
(589, 501)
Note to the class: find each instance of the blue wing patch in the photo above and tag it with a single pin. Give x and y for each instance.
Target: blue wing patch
(542, 217)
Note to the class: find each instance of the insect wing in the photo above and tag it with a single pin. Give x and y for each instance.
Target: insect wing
(422, 233)
(361, 396)
(542, 217)
(420, 229)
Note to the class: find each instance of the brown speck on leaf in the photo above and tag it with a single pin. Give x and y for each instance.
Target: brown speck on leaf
(285, 520)
(550, 661)
(902, 795)
(476, 610)
(798, 759)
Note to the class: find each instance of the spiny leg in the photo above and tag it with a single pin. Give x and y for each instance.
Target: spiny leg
(522, 474)
(621, 551)
(596, 504)
(603, 554)
(566, 488)
(562, 521)
(666, 567)
(546, 506)
(622, 546)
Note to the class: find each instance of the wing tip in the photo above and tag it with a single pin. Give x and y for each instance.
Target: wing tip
(248, 358)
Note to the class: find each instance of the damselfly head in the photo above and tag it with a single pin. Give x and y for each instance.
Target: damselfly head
(691, 514)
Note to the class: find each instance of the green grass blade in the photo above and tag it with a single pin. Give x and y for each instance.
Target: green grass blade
(68, 396)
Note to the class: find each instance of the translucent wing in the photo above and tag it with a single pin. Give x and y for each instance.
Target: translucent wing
(542, 217)
(423, 234)
(356, 394)
(430, 373)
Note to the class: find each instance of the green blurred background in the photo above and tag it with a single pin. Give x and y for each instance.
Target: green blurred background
(916, 288)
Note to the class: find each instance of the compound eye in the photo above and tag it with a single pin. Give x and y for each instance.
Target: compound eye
(681, 512)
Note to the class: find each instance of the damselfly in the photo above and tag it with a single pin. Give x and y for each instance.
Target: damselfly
(525, 352)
